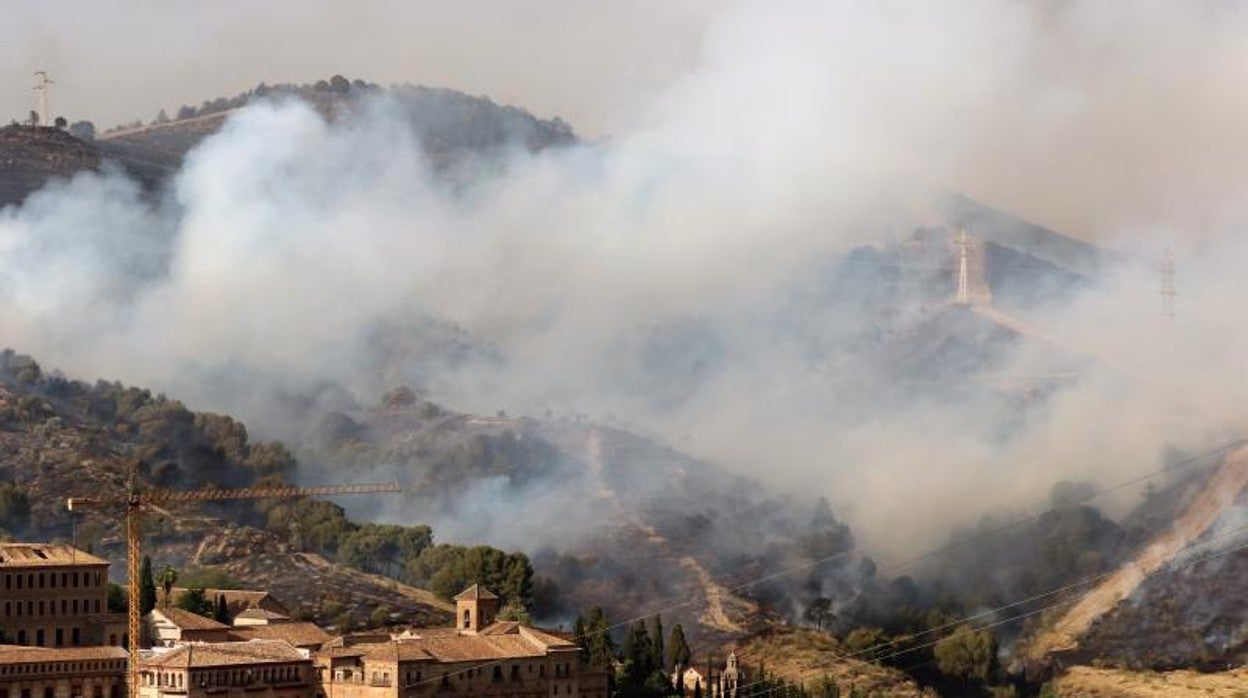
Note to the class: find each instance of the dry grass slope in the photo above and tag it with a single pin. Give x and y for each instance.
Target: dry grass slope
(802, 655)
(1087, 682)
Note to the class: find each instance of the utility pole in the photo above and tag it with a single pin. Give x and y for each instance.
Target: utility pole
(1167, 285)
(964, 275)
(45, 118)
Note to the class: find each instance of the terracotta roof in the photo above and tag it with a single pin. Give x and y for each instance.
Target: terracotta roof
(234, 598)
(476, 591)
(45, 555)
(214, 654)
(261, 614)
(186, 620)
(299, 634)
(10, 654)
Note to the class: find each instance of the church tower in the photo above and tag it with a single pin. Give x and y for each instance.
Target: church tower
(475, 608)
(731, 678)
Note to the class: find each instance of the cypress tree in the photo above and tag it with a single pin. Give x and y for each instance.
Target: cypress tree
(658, 655)
(678, 648)
(578, 635)
(221, 613)
(147, 587)
(697, 689)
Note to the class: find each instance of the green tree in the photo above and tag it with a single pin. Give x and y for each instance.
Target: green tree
(196, 601)
(168, 577)
(967, 653)
(658, 652)
(117, 602)
(513, 611)
(14, 508)
(678, 647)
(147, 587)
(221, 613)
(866, 642)
(580, 638)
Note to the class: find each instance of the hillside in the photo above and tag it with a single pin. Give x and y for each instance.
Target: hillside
(1087, 682)
(807, 657)
(462, 136)
(31, 155)
(619, 521)
(61, 438)
(452, 128)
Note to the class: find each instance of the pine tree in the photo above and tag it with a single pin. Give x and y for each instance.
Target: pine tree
(147, 587)
(658, 658)
(678, 647)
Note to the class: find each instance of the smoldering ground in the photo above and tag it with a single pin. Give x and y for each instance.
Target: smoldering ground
(689, 276)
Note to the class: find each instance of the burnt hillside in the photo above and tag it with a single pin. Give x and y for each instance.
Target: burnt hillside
(31, 155)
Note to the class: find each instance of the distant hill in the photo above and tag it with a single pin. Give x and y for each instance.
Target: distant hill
(461, 135)
(449, 125)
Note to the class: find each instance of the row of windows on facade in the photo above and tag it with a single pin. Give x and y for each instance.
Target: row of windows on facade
(13, 609)
(97, 691)
(223, 677)
(75, 636)
(59, 668)
(69, 580)
(561, 670)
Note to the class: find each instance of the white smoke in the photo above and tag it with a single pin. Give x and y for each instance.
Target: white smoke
(674, 276)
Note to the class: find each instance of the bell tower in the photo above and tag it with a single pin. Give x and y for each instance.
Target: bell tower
(475, 609)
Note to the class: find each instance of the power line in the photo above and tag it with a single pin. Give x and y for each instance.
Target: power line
(1019, 616)
(1179, 465)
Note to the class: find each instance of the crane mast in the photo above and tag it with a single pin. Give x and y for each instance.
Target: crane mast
(135, 501)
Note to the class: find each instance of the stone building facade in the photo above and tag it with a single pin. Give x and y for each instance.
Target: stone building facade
(252, 669)
(71, 672)
(478, 657)
(55, 596)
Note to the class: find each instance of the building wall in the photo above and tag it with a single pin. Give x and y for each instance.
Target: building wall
(558, 675)
(267, 680)
(53, 606)
(104, 679)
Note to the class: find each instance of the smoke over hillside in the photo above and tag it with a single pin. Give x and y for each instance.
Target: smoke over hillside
(693, 277)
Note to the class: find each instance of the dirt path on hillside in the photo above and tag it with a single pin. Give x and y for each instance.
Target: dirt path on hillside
(715, 616)
(1217, 493)
(122, 133)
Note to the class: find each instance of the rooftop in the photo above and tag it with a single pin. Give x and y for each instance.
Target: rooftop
(260, 614)
(476, 591)
(187, 620)
(218, 654)
(44, 555)
(12, 654)
(299, 634)
(499, 641)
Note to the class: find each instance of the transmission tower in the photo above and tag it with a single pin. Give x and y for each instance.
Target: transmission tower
(964, 275)
(45, 118)
(1167, 285)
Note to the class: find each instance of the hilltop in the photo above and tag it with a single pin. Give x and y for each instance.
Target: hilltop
(462, 136)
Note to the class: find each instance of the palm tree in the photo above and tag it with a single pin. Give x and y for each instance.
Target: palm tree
(167, 578)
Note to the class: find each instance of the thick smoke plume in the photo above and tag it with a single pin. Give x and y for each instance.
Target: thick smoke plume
(689, 277)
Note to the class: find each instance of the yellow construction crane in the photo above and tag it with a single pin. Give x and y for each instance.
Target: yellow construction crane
(136, 501)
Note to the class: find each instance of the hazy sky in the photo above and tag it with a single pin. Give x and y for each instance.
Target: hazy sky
(588, 62)
(1099, 119)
